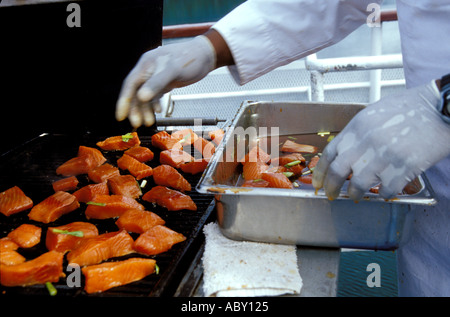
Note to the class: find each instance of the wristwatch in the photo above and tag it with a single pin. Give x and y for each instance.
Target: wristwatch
(444, 106)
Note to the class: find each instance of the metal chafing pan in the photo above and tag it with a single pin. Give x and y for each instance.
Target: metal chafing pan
(302, 216)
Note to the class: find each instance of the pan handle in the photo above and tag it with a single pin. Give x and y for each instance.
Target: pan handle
(186, 121)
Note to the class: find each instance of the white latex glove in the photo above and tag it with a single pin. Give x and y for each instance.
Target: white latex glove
(390, 142)
(157, 72)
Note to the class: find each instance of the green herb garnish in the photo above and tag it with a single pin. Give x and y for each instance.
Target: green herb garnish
(293, 163)
(95, 203)
(51, 289)
(288, 174)
(156, 269)
(79, 234)
(127, 137)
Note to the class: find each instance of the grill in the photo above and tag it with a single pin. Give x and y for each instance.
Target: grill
(32, 166)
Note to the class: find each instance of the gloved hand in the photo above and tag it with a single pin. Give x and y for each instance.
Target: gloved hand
(390, 142)
(157, 72)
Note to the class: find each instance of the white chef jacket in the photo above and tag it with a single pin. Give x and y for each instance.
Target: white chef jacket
(264, 34)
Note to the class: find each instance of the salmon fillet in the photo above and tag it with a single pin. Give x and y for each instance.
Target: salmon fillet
(110, 206)
(48, 267)
(138, 221)
(185, 136)
(141, 153)
(166, 175)
(306, 179)
(26, 235)
(255, 183)
(101, 173)
(216, 135)
(313, 162)
(288, 158)
(156, 240)
(136, 168)
(278, 180)
(125, 185)
(14, 200)
(175, 158)
(291, 146)
(206, 148)
(11, 257)
(87, 159)
(65, 184)
(101, 277)
(67, 237)
(53, 207)
(7, 244)
(119, 142)
(253, 170)
(103, 247)
(169, 198)
(256, 154)
(164, 141)
(88, 192)
(195, 166)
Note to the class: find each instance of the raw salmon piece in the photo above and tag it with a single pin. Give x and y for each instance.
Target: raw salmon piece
(216, 135)
(278, 180)
(288, 158)
(256, 154)
(141, 153)
(138, 221)
(11, 257)
(7, 244)
(103, 247)
(255, 183)
(166, 175)
(48, 267)
(169, 198)
(306, 179)
(88, 192)
(164, 141)
(26, 235)
(185, 136)
(291, 146)
(87, 159)
(205, 147)
(174, 158)
(136, 168)
(313, 162)
(119, 142)
(101, 277)
(96, 156)
(110, 206)
(65, 184)
(156, 240)
(14, 200)
(125, 185)
(60, 238)
(53, 207)
(195, 166)
(296, 169)
(277, 169)
(253, 170)
(101, 173)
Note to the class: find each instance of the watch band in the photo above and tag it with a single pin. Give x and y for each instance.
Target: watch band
(445, 98)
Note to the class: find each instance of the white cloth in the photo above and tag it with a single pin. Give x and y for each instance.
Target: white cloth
(263, 35)
(241, 268)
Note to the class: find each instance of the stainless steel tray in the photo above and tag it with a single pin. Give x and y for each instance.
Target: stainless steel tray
(301, 216)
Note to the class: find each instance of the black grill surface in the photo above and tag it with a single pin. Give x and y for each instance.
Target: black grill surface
(32, 167)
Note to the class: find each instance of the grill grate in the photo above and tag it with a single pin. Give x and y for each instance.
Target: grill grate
(32, 166)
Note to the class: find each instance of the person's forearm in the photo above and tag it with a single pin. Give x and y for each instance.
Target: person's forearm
(223, 53)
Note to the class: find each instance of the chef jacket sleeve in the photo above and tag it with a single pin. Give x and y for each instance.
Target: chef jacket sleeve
(263, 35)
